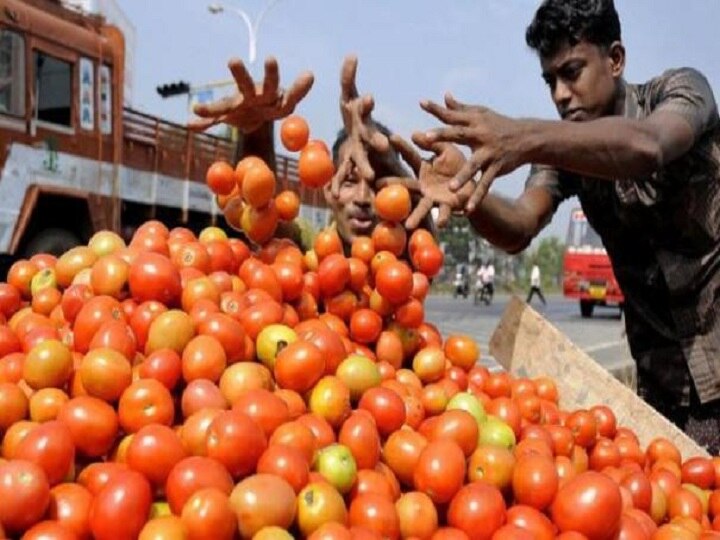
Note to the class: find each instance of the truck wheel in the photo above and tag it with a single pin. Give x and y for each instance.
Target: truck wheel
(586, 308)
(53, 241)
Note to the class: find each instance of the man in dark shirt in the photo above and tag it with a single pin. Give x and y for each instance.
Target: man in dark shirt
(644, 161)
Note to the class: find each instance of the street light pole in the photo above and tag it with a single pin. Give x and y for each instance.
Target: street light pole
(252, 28)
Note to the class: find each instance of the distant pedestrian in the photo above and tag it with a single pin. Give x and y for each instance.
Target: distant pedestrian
(535, 285)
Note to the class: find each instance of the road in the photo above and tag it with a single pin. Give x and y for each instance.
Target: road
(601, 336)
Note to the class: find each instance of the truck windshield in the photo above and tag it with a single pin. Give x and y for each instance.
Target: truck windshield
(581, 234)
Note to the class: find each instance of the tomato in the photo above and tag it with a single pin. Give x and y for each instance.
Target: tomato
(319, 503)
(428, 260)
(376, 513)
(394, 281)
(360, 434)
(13, 405)
(229, 332)
(25, 493)
(49, 530)
(9, 299)
(320, 427)
(640, 489)
(48, 364)
(535, 481)
(590, 504)
(584, 427)
(298, 436)
(45, 404)
(288, 205)
(478, 509)
(105, 373)
(365, 326)
(417, 515)
(153, 276)
(294, 132)
(172, 329)
(389, 236)
(329, 343)
(462, 351)
(70, 507)
(220, 178)
(93, 424)
(96, 311)
(458, 425)
(263, 500)
(684, 503)
(153, 451)
(193, 474)
(386, 407)
(144, 402)
(50, 446)
(121, 508)
(163, 365)
(440, 470)
(299, 366)
(606, 421)
(286, 462)
(258, 186)
(236, 441)
(142, 318)
(429, 364)
(207, 515)
(266, 409)
(699, 471)
(315, 167)
(493, 465)
(531, 520)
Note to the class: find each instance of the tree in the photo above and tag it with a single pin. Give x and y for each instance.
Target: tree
(548, 255)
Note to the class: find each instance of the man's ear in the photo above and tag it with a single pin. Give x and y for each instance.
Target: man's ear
(616, 54)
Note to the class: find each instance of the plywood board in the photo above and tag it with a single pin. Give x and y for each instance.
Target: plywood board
(526, 344)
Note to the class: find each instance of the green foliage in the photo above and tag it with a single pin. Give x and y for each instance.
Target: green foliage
(548, 255)
(456, 238)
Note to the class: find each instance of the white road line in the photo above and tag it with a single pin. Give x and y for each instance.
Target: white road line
(603, 345)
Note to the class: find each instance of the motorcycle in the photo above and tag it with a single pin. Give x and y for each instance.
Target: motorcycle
(461, 287)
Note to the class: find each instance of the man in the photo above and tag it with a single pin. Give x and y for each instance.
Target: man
(645, 162)
(535, 284)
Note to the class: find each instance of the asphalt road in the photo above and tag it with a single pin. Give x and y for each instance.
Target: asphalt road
(600, 336)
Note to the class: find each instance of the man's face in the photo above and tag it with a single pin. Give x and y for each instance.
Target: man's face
(583, 79)
(354, 208)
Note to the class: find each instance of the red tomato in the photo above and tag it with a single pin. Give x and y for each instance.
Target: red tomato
(50, 445)
(93, 424)
(440, 470)
(236, 441)
(154, 277)
(590, 504)
(25, 495)
(376, 513)
(360, 434)
(70, 506)
(531, 520)
(207, 515)
(535, 481)
(144, 402)
(286, 462)
(193, 474)
(386, 407)
(121, 508)
(478, 509)
(154, 451)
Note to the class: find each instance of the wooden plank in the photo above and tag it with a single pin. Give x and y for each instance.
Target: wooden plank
(527, 345)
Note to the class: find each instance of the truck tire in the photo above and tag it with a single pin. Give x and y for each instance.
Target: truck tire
(54, 241)
(586, 308)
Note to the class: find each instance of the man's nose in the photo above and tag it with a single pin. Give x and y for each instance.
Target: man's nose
(365, 192)
(562, 94)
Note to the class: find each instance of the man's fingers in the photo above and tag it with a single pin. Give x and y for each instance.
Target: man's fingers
(377, 140)
(465, 174)
(360, 158)
(201, 124)
(216, 108)
(419, 213)
(483, 186)
(297, 91)
(422, 140)
(342, 171)
(367, 104)
(444, 215)
(347, 78)
(456, 105)
(411, 184)
(443, 114)
(242, 77)
(272, 77)
(455, 134)
(408, 153)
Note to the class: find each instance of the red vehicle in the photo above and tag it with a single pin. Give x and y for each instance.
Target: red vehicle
(587, 272)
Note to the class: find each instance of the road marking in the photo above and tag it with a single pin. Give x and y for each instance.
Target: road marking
(604, 345)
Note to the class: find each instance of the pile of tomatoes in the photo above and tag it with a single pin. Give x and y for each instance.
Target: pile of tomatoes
(189, 386)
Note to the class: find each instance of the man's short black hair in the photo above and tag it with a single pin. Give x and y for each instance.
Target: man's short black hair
(560, 22)
(342, 136)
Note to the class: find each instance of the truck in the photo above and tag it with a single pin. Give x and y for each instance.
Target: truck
(588, 275)
(76, 159)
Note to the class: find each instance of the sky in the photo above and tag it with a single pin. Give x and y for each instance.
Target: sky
(408, 50)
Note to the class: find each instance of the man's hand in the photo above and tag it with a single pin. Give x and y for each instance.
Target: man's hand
(433, 178)
(253, 105)
(493, 138)
(355, 112)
